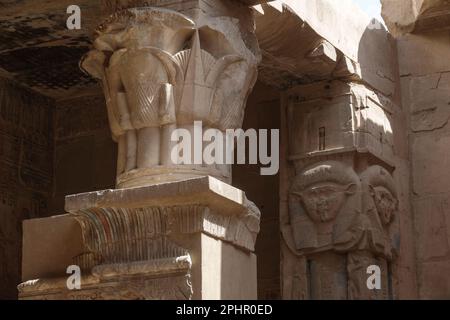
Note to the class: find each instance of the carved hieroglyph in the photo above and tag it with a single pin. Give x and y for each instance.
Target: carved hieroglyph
(160, 71)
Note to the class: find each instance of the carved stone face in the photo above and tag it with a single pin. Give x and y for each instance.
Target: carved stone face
(323, 201)
(385, 203)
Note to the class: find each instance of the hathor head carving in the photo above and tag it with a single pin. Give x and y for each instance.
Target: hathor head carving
(324, 207)
(323, 188)
(381, 188)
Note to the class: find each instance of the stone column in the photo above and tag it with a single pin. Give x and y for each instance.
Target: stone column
(163, 70)
(171, 230)
(343, 201)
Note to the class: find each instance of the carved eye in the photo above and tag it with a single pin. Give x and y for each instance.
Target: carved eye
(323, 191)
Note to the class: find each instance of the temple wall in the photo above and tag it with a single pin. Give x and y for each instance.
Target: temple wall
(26, 135)
(425, 79)
(85, 155)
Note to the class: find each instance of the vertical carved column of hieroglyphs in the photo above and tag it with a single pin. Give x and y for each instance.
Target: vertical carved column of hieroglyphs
(162, 70)
(343, 199)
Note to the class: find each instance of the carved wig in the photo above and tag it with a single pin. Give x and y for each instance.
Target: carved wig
(324, 207)
(380, 206)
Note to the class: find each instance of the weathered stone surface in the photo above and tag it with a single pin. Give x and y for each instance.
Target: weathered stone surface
(423, 55)
(360, 47)
(434, 282)
(432, 227)
(139, 286)
(429, 102)
(333, 117)
(425, 88)
(49, 245)
(415, 15)
(430, 152)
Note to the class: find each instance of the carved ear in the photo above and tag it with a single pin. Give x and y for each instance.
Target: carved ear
(371, 191)
(298, 194)
(351, 189)
(92, 64)
(117, 56)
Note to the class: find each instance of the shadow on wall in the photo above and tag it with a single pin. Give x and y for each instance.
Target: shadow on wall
(262, 112)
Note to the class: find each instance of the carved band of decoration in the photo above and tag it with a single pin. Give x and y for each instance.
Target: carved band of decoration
(120, 235)
(143, 286)
(159, 73)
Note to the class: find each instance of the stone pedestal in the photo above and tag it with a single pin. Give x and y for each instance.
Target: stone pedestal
(192, 239)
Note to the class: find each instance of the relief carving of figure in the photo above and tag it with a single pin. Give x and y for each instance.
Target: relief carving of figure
(324, 207)
(380, 205)
(333, 212)
(379, 244)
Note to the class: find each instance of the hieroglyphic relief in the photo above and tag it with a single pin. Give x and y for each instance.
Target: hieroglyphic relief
(25, 171)
(175, 287)
(80, 117)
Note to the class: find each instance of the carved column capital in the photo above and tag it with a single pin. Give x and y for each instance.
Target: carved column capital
(162, 70)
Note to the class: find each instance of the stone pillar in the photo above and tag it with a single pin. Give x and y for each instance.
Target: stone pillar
(343, 202)
(171, 230)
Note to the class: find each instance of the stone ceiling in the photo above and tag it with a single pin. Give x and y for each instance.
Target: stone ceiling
(416, 16)
(38, 51)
